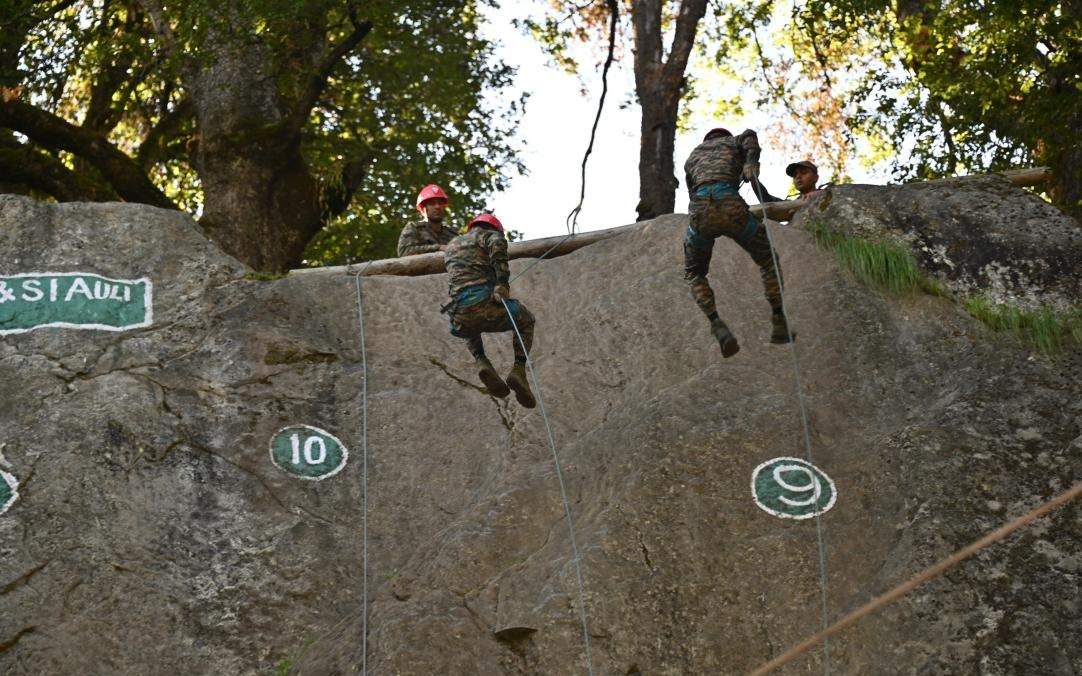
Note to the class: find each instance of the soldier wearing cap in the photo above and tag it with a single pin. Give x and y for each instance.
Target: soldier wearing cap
(429, 235)
(805, 176)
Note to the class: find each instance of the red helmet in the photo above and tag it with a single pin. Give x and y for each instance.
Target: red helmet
(429, 192)
(717, 131)
(489, 219)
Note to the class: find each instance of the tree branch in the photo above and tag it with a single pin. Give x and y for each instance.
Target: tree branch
(161, 25)
(317, 82)
(687, 24)
(39, 171)
(646, 27)
(337, 197)
(49, 131)
(153, 146)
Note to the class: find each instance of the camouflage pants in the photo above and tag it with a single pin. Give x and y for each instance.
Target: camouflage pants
(489, 316)
(730, 217)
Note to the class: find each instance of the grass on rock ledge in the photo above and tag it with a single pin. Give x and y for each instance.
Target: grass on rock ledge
(892, 268)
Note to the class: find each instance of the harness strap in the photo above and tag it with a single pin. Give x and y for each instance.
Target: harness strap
(716, 190)
(698, 241)
(467, 296)
(749, 230)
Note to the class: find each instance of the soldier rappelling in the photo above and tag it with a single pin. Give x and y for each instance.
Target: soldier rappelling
(478, 282)
(713, 172)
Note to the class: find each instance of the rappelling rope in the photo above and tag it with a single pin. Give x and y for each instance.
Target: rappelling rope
(364, 472)
(563, 492)
(807, 428)
(924, 576)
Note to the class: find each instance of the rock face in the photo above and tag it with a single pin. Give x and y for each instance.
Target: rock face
(153, 533)
(976, 234)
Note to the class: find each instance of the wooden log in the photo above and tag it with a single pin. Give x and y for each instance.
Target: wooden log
(432, 263)
(550, 247)
(1028, 177)
(777, 211)
(784, 211)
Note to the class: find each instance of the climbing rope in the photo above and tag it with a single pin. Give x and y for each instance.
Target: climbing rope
(563, 491)
(922, 577)
(807, 429)
(364, 473)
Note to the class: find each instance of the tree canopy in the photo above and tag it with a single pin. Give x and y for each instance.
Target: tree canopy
(294, 130)
(940, 88)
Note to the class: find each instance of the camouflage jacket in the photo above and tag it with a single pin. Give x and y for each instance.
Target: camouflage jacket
(722, 158)
(419, 238)
(478, 257)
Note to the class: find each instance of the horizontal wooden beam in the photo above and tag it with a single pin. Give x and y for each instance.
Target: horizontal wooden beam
(550, 247)
(784, 211)
(432, 263)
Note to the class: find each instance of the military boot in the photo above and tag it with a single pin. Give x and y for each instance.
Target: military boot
(780, 334)
(491, 379)
(725, 337)
(519, 383)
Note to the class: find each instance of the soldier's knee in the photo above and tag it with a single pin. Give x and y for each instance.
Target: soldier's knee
(695, 279)
(526, 318)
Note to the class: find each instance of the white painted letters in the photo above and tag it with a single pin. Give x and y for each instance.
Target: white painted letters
(32, 290)
(78, 286)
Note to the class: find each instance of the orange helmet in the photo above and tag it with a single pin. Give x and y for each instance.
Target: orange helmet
(489, 219)
(429, 192)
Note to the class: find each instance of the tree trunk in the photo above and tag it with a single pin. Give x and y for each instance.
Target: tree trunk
(657, 144)
(261, 204)
(659, 84)
(1066, 189)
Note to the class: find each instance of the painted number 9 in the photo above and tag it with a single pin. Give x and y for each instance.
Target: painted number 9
(792, 488)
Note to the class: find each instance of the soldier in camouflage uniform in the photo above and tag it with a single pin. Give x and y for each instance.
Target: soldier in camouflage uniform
(714, 171)
(429, 235)
(477, 275)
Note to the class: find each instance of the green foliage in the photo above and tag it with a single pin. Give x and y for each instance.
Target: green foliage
(418, 114)
(932, 88)
(961, 86)
(1045, 329)
(419, 100)
(883, 265)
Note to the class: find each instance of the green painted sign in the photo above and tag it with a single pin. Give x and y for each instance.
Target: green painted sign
(308, 452)
(74, 300)
(9, 491)
(792, 488)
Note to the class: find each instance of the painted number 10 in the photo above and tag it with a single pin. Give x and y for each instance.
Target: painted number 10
(309, 445)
